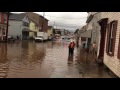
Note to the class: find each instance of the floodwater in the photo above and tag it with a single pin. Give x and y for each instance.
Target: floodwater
(28, 59)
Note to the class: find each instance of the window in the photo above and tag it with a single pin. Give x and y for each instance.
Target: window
(0, 17)
(26, 24)
(111, 36)
(119, 49)
(3, 32)
(0, 30)
(5, 18)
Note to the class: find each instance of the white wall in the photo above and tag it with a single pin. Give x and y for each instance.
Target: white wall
(15, 28)
(113, 62)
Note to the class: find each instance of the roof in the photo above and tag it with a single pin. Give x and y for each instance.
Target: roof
(86, 34)
(14, 16)
(89, 18)
(26, 29)
(34, 17)
(83, 29)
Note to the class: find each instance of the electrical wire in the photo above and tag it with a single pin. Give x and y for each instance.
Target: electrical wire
(65, 17)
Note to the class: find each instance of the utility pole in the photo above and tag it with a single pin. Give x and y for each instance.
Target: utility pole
(54, 24)
(54, 28)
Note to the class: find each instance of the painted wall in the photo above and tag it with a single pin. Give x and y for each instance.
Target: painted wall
(15, 28)
(32, 28)
(112, 62)
(3, 25)
(95, 27)
(50, 31)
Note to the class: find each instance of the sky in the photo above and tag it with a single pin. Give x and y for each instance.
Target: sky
(65, 20)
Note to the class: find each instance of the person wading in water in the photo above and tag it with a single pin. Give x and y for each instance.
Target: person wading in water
(71, 48)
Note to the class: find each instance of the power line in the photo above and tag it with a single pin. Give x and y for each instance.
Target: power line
(65, 17)
(62, 23)
(65, 26)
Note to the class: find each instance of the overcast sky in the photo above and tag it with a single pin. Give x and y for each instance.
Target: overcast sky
(65, 20)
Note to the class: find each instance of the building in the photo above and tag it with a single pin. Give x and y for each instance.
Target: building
(108, 40)
(34, 24)
(110, 29)
(19, 26)
(62, 32)
(4, 18)
(37, 23)
(85, 38)
(50, 31)
(94, 27)
(44, 23)
(58, 31)
(32, 27)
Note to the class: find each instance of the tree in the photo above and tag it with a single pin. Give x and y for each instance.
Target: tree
(76, 31)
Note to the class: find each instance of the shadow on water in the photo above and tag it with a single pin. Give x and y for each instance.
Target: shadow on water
(70, 59)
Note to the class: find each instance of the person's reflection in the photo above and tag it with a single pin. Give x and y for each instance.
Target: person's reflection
(70, 59)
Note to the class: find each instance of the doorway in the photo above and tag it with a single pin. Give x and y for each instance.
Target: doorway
(103, 24)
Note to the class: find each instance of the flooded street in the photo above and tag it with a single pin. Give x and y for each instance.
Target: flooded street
(28, 59)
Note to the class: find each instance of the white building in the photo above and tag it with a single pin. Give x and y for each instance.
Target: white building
(108, 38)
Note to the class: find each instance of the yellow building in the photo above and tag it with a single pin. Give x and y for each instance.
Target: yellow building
(33, 28)
(50, 31)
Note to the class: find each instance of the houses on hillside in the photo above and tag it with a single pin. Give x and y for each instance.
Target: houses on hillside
(105, 31)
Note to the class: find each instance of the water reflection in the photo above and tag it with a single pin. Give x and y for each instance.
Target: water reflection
(70, 58)
(3, 60)
(30, 56)
(26, 59)
(3, 53)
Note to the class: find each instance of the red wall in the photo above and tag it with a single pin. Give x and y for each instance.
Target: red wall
(2, 17)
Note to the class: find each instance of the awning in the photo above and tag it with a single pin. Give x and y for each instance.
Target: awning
(26, 30)
(86, 34)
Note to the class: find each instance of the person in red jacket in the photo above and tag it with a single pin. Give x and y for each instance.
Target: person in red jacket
(71, 48)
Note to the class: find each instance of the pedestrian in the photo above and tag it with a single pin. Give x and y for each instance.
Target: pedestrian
(71, 48)
(94, 48)
(17, 37)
